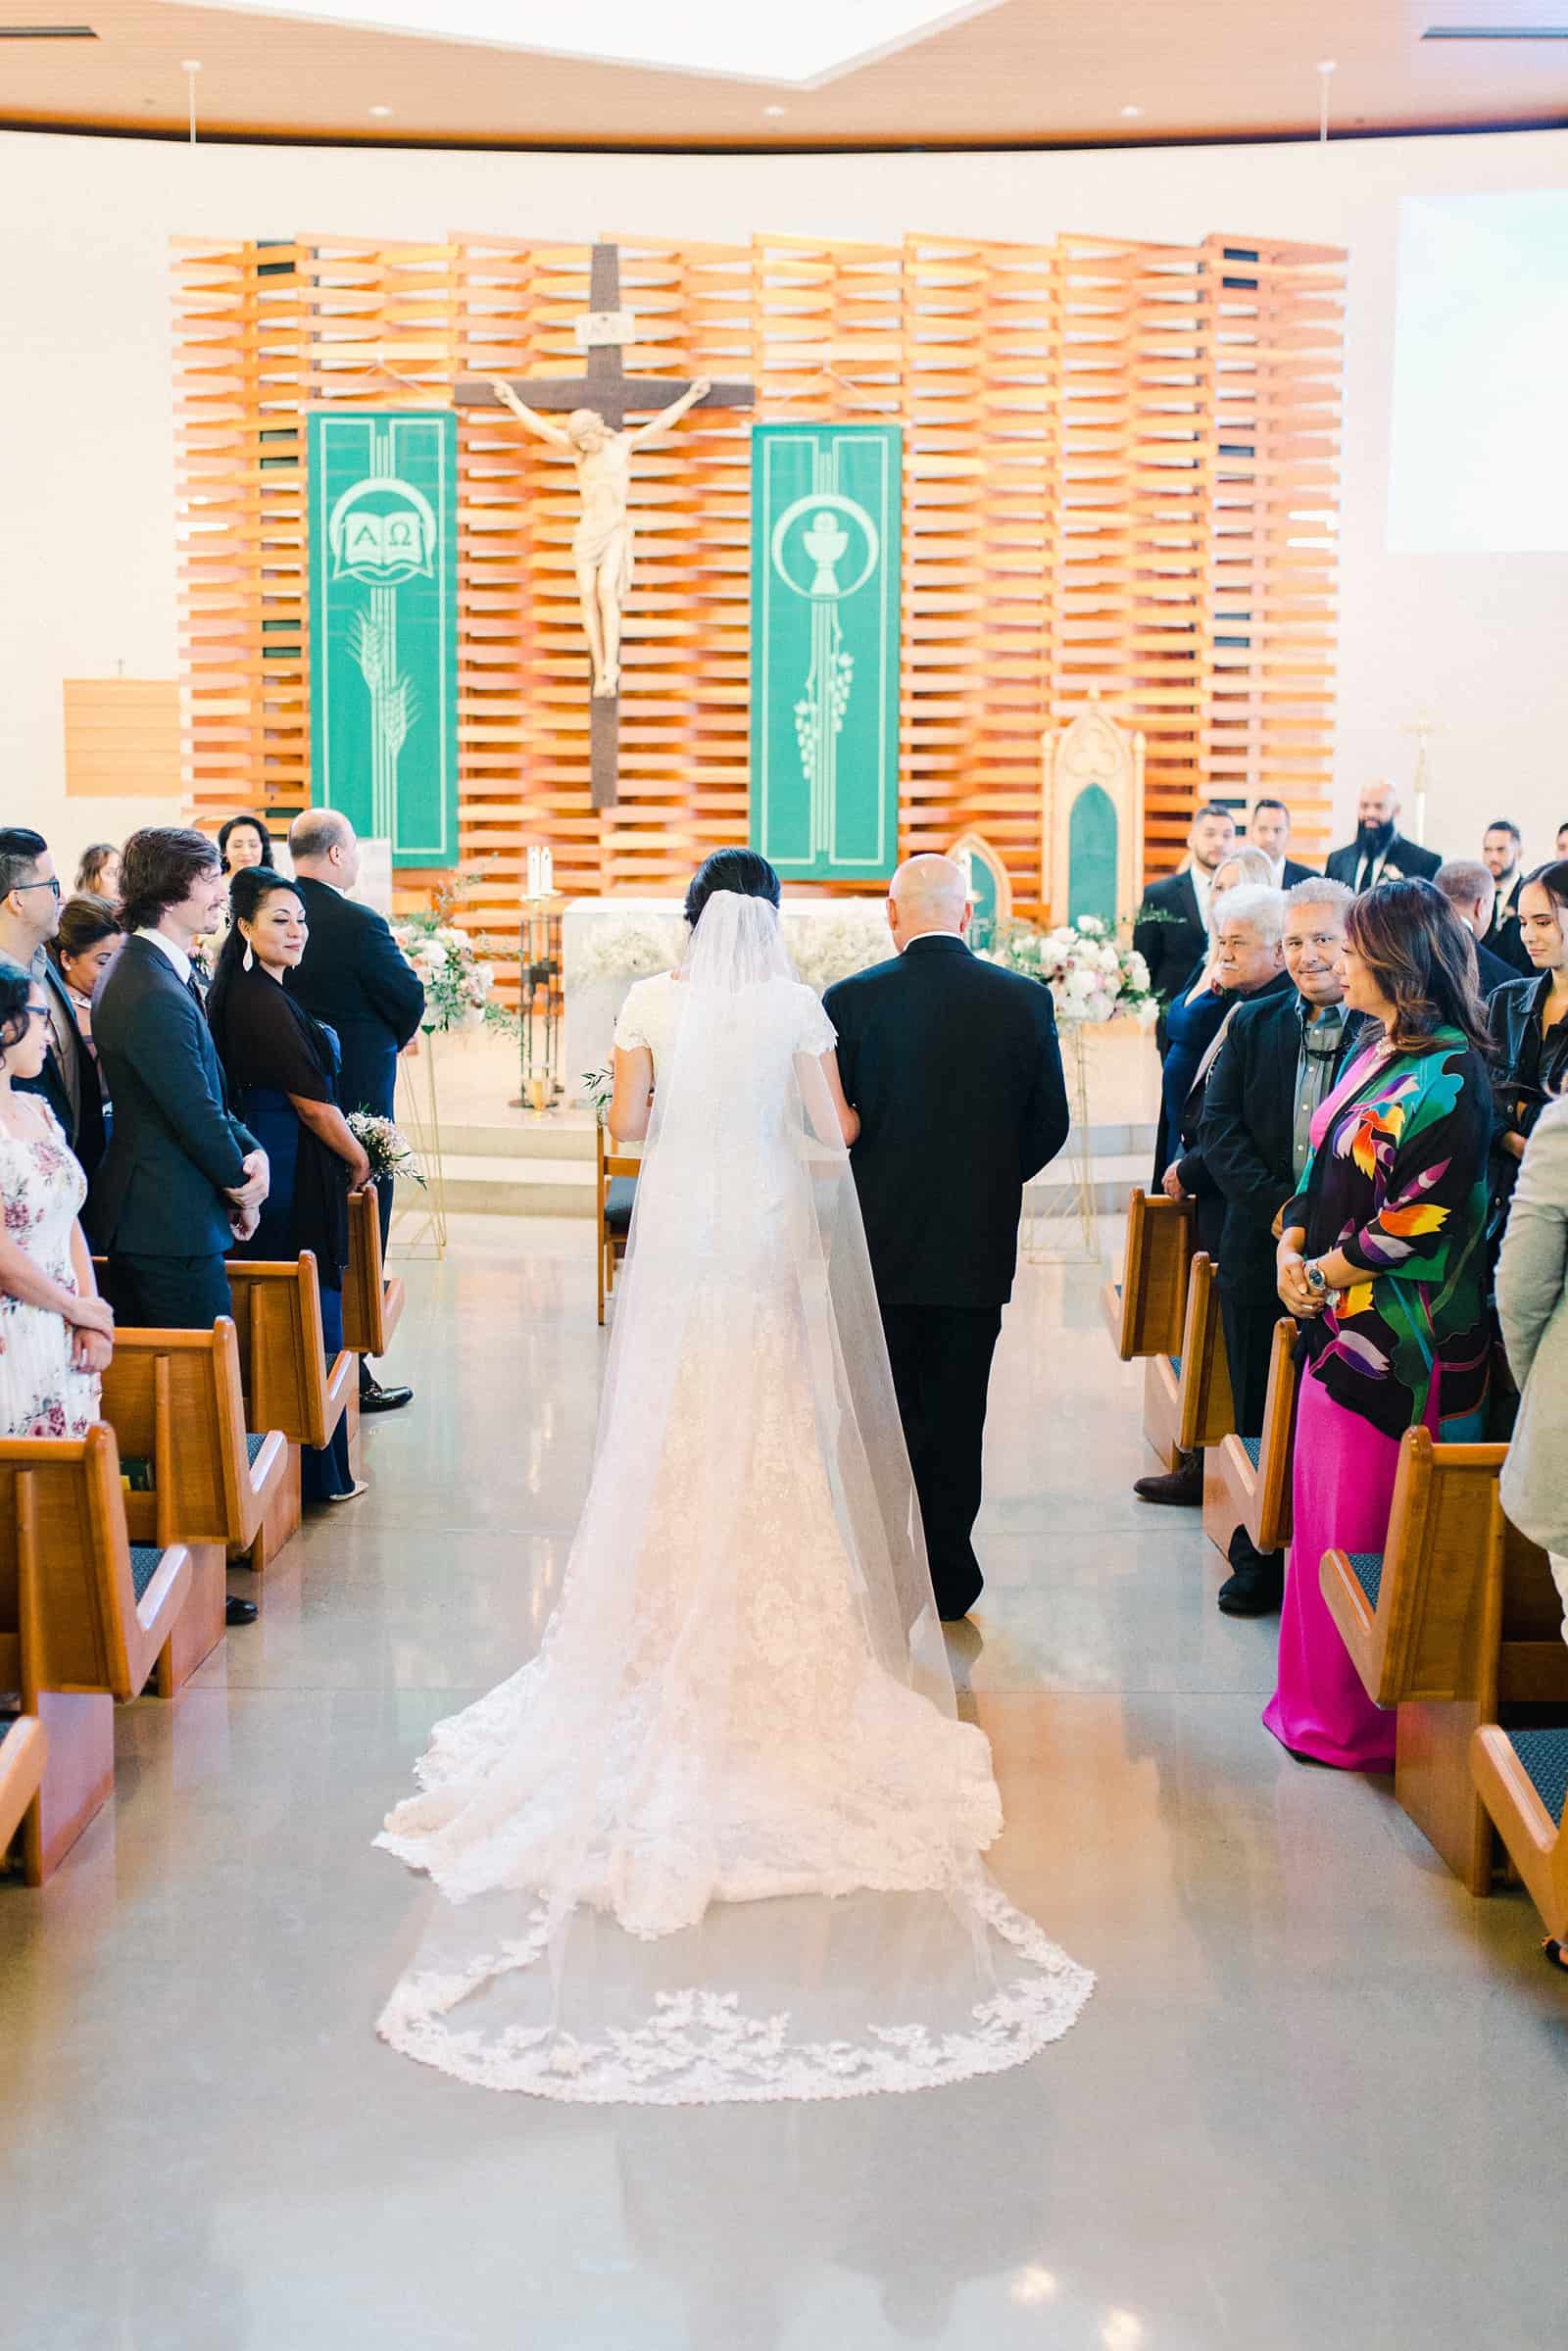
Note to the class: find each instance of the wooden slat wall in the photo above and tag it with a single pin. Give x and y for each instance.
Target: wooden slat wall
(121, 737)
(1121, 470)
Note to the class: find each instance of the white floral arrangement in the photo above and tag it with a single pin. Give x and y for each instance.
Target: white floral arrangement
(838, 945)
(458, 987)
(1091, 977)
(823, 952)
(633, 949)
(386, 1147)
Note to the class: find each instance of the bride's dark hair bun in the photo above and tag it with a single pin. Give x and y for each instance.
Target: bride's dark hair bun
(738, 869)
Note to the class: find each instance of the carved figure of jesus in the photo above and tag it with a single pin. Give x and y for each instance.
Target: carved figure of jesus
(602, 543)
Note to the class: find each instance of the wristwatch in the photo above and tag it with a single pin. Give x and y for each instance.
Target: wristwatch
(1317, 1279)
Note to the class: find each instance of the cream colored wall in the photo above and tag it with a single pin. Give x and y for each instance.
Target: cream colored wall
(87, 578)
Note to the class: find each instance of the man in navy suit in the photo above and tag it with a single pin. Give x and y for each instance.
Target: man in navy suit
(955, 1069)
(1171, 932)
(353, 977)
(181, 1179)
(29, 917)
(1380, 852)
(1470, 890)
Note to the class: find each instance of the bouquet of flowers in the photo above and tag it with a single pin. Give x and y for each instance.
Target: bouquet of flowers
(1090, 976)
(385, 1146)
(458, 986)
(633, 949)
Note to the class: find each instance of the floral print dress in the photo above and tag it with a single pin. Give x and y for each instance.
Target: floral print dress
(42, 1189)
(1397, 1181)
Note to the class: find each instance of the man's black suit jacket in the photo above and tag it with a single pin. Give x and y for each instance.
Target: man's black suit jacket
(1247, 1134)
(1495, 972)
(1170, 936)
(1294, 873)
(175, 1148)
(1191, 1166)
(957, 1074)
(1504, 940)
(82, 1121)
(1406, 860)
(353, 977)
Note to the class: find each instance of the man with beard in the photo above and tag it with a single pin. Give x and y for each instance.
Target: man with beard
(1281, 1056)
(1501, 848)
(1380, 852)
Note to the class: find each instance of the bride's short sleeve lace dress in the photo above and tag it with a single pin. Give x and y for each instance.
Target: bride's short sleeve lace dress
(720, 1838)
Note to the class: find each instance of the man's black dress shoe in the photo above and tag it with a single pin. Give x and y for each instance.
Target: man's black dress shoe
(1251, 1592)
(1184, 1485)
(239, 1612)
(373, 1397)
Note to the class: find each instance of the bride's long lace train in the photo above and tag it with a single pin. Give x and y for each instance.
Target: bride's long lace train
(720, 1838)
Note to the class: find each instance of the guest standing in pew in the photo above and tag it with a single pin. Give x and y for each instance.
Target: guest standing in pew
(1471, 890)
(956, 1074)
(1383, 1260)
(1380, 852)
(182, 1179)
(1172, 929)
(1248, 964)
(1533, 1308)
(1281, 1057)
(56, 1333)
(98, 872)
(281, 1067)
(29, 917)
(89, 938)
(1502, 848)
(244, 842)
(1268, 829)
(353, 978)
(1529, 1026)
(1194, 1020)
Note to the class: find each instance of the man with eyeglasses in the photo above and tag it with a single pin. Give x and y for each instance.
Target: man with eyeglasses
(1281, 1058)
(29, 917)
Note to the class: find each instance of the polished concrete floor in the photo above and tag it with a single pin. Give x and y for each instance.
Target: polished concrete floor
(1318, 2100)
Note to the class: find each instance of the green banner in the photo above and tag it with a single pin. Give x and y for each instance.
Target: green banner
(383, 509)
(827, 535)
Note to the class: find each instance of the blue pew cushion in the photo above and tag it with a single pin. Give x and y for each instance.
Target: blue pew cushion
(1367, 1569)
(1252, 1447)
(1545, 1756)
(619, 1192)
(253, 1446)
(1176, 1365)
(146, 1559)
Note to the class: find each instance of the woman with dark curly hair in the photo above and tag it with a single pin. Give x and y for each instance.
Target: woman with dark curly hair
(1383, 1261)
(56, 1332)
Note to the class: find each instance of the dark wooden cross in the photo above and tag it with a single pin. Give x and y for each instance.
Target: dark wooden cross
(606, 387)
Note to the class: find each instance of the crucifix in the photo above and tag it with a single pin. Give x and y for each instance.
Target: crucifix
(596, 405)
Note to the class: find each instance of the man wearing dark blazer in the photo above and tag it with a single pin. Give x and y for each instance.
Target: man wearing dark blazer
(955, 1069)
(353, 977)
(1268, 829)
(1171, 932)
(1281, 1056)
(29, 917)
(1502, 851)
(1470, 890)
(1380, 852)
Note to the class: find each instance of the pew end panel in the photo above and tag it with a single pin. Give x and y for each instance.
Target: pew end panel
(1162, 1409)
(84, 1616)
(1522, 1780)
(1145, 1313)
(24, 1751)
(372, 1300)
(288, 1383)
(1247, 1480)
(1206, 1412)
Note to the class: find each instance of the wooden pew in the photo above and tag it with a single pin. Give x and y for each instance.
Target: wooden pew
(1146, 1310)
(287, 1382)
(372, 1299)
(1453, 1622)
(1247, 1480)
(84, 1619)
(174, 1400)
(1522, 1779)
(23, 1750)
(617, 1173)
(1206, 1411)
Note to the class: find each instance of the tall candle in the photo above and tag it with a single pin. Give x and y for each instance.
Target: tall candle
(547, 872)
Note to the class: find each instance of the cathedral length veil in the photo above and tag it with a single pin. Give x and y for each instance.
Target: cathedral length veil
(720, 1838)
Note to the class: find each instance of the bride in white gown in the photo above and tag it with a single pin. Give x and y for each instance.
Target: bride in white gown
(720, 1838)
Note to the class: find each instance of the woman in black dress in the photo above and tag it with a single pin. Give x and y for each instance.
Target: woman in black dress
(283, 1067)
(1529, 1024)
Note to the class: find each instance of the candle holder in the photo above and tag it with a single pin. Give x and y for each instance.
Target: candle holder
(540, 1001)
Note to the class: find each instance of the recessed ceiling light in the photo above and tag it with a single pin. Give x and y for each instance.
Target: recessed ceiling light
(1326, 65)
(1130, 111)
(191, 64)
(380, 110)
(775, 110)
